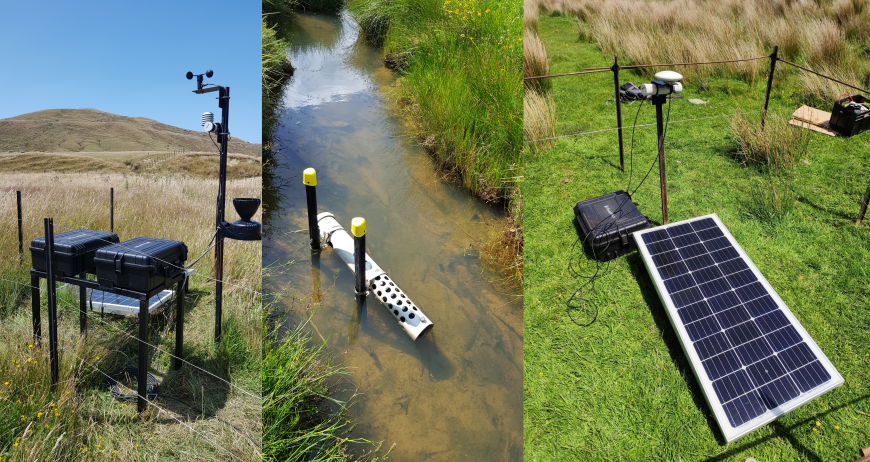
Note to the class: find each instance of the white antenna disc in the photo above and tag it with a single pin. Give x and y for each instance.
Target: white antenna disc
(669, 76)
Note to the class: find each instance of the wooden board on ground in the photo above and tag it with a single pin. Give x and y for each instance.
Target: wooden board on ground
(813, 119)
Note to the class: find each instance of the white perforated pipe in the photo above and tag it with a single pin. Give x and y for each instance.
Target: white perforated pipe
(406, 313)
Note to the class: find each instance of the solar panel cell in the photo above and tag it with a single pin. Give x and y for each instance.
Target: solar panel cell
(679, 230)
(759, 306)
(715, 287)
(687, 297)
(732, 386)
(703, 261)
(742, 278)
(754, 351)
(717, 244)
(654, 236)
(783, 338)
(712, 345)
(686, 240)
(744, 409)
(732, 317)
(673, 270)
(750, 292)
(661, 246)
(723, 302)
(705, 223)
(721, 365)
(709, 234)
(679, 283)
(726, 254)
(694, 312)
(732, 266)
(742, 333)
(692, 251)
(707, 274)
(811, 376)
(703, 328)
(778, 392)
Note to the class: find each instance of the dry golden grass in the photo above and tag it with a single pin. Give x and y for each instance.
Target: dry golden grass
(830, 37)
(170, 207)
(535, 61)
(202, 164)
(530, 14)
(539, 119)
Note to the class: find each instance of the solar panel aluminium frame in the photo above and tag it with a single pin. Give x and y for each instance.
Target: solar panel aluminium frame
(731, 433)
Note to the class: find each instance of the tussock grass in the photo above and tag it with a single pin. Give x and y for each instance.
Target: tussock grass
(535, 61)
(539, 119)
(276, 69)
(777, 148)
(93, 424)
(822, 35)
(301, 421)
(530, 15)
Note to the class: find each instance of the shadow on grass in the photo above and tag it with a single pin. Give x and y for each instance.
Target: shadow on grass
(781, 431)
(818, 208)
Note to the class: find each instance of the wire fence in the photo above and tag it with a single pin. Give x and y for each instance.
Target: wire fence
(94, 316)
(774, 58)
(134, 393)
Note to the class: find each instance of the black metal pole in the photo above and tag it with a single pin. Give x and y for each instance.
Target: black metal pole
(179, 323)
(315, 276)
(358, 228)
(309, 177)
(615, 69)
(112, 210)
(83, 307)
(34, 306)
(864, 205)
(20, 231)
(142, 379)
(659, 101)
(224, 104)
(52, 302)
(773, 58)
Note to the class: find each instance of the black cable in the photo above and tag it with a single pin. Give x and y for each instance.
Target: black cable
(153, 391)
(617, 215)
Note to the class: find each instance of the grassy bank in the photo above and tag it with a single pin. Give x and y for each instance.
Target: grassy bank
(459, 63)
(621, 388)
(300, 419)
(81, 421)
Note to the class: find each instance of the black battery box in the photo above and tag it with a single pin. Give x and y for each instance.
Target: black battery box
(73, 251)
(607, 223)
(851, 117)
(141, 264)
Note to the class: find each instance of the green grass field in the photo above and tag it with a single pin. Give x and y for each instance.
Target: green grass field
(621, 388)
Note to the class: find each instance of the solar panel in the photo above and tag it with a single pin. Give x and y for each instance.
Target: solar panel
(124, 306)
(752, 357)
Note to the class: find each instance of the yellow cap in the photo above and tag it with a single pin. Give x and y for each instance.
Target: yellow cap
(309, 177)
(358, 226)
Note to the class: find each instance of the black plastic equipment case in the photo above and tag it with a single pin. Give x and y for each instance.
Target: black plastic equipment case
(141, 264)
(847, 120)
(73, 251)
(606, 228)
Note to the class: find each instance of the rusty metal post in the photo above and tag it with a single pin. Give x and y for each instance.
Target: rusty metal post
(773, 58)
(659, 101)
(615, 70)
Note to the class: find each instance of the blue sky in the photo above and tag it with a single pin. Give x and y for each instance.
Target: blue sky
(130, 58)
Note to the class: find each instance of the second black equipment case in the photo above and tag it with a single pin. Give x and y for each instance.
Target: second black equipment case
(141, 264)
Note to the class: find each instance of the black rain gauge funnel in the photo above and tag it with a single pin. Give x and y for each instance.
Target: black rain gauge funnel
(243, 229)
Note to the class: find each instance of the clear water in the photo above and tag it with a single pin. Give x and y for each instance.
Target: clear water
(456, 393)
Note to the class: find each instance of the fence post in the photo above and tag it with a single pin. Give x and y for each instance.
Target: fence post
(52, 302)
(773, 58)
(20, 233)
(864, 205)
(111, 210)
(615, 69)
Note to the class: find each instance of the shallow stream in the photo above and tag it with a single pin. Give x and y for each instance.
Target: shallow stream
(455, 393)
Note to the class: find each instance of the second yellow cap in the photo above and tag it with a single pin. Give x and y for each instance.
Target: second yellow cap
(358, 226)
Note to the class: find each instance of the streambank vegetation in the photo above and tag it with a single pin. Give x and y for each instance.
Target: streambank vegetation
(459, 67)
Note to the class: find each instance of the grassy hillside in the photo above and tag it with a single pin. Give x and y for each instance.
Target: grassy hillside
(201, 164)
(622, 388)
(89, 130)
